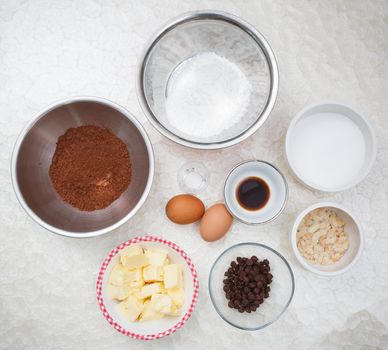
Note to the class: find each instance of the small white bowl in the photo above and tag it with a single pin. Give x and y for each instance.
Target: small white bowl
(330, 147)
(151, 329)
(356, 241)
(277, 185)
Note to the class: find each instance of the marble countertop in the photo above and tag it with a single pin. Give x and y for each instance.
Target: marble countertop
(326, 50)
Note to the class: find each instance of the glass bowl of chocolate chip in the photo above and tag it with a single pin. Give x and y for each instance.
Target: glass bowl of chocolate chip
(251, 285)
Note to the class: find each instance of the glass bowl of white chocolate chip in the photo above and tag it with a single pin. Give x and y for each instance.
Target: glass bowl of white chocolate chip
(327, 239)
(147, 288)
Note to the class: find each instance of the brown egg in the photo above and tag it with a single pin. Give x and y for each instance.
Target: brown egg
(215, 222)
(184, 209)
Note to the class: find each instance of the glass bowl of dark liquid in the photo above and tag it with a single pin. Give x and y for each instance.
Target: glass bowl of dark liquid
(255, 192)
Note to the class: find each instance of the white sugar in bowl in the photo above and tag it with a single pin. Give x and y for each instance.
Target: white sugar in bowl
(330, 147)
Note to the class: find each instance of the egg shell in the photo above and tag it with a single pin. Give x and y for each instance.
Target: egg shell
(184, 209)
(215, 223)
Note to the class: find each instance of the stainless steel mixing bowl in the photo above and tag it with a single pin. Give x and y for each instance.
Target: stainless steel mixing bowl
(227, 36)
(35, 147)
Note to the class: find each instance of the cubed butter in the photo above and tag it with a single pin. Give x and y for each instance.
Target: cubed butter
(136, 292)
(153, 273)
(119, 275)
(136, 278)
(173, 276)
(148, 289)
(118, 292)
(156, 257)
(133, 257)
(131, 308)
(174, 311)
(149, 313)
(146, 285)
(163, 303)
(177, 295)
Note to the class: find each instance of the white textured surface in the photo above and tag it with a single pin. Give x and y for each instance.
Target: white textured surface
(326, 50)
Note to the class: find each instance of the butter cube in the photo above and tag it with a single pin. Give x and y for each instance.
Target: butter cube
(149, 289)
(136, 292)
(118, 292)
(149, 313)
(135, 278)
(174, 311)
(131, 308)
(163, 303)
(153, 273)
(119, 275)
(177, 295)
(173, 276)
(156, 257)
(133, 257)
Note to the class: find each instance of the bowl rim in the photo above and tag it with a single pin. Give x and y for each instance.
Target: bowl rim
(35, 119)
(303, 261)
(285, 307)
(214, 15)
(285, 198)
(106, 263)
(365, 171)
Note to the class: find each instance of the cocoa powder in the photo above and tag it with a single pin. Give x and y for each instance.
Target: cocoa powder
(90, 168)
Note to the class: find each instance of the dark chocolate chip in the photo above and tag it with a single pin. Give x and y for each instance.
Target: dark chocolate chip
(247, 283)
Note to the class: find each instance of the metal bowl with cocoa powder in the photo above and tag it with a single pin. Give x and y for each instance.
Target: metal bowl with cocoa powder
(33, 154)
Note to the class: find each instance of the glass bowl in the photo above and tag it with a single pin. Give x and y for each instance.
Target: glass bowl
(193, 34)
(280, 296)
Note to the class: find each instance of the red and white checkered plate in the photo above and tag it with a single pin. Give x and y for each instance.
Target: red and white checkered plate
(151, 329)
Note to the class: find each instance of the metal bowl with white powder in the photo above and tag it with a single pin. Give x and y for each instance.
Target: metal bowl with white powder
(207, 80)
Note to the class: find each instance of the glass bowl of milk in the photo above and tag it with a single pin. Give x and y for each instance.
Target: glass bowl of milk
(207, 80)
